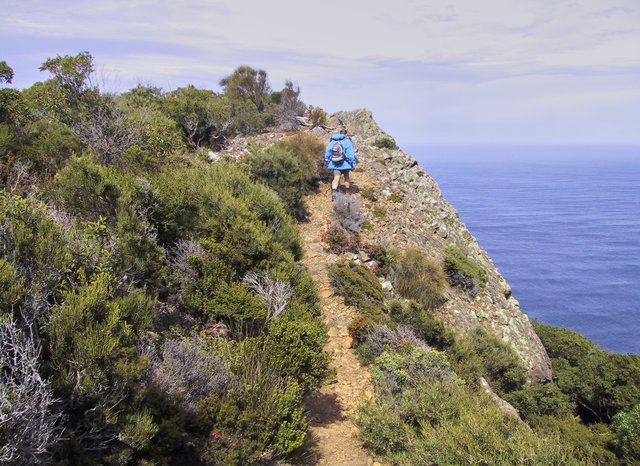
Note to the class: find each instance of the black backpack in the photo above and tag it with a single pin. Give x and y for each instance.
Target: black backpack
(337, 153)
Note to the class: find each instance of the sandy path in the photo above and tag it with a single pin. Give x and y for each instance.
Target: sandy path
(334, 435)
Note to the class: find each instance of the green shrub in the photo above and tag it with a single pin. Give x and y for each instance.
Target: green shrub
(35, 245)
(601, 383)
(280, 170)
(540, 400)
(482, 434)
(203, 117)
(462, 271)
(420, 278)
(247, 118)
(589, 443)
(11, 286)
(91, 190)
(310, 155)
(262, 414)
(296, 350)
(502, 366)
(87, 334)
(385, 142)
(465, 361)
(381, 428)
(246, 227)
(626, 426)
(565, 343)
(305, 292)
(395, 371)
(160, 135)
(237, 306)
(441, 422)
(45, 146)
(139, 430)
(358, 286)
(426, 326)
(433, 402)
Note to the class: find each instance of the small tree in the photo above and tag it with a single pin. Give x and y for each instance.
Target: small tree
(6, 73)
(204, 117)
(290, 106)
(106, 131)
(73, 75)
(247, 83)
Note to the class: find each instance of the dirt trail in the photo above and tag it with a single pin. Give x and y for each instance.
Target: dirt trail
(333, 432)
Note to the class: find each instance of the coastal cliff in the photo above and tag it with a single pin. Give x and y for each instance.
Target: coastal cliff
(420, 216)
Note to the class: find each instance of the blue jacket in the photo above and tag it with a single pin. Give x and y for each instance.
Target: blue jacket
(349, 152)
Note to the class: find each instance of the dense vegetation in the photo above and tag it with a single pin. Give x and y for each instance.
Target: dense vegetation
(153, 310)
(429, 406)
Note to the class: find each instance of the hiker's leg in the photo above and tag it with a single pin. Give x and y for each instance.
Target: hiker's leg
(347, 181)
(336, 179)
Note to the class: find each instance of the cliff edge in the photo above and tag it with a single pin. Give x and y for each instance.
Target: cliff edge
(417, 214)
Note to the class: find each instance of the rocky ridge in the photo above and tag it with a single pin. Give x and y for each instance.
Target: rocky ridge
(417, 214)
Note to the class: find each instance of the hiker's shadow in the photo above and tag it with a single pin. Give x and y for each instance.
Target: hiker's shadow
(324, 408)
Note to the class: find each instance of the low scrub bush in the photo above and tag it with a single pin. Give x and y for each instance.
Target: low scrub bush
(379, 338)
(502, 367)
(425, 325)
(317, 117)
(380, 254)
(310, 155)
(359, 328)
(420, 278)
(339, 240)
(296, 350)
(540, 400)
(369, 194)
(395, 197)
(385, 142)
(441, 422)
(462, 271)
(279, 169)
(261, 419)
(380, 213)
(396, 370)
(381, 428)
(190, 372)
(590, 443)
(358, 286)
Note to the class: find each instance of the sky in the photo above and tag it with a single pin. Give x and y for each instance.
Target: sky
(432, 72)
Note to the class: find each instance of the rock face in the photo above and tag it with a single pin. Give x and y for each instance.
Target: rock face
(417, 214)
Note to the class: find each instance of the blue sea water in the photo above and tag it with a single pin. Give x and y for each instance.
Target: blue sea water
(561, 223)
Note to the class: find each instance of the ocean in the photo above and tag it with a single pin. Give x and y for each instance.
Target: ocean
(561, 223)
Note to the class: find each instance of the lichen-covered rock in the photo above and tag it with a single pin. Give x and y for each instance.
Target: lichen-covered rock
(420, 216)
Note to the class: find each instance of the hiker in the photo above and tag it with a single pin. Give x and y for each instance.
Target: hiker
(341, 158)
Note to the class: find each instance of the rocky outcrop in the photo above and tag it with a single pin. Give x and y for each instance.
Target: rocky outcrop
(417, 214)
